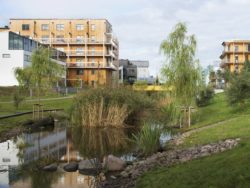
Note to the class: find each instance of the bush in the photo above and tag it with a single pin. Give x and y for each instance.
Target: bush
(113, 107)
(148, 139)
(205, 96)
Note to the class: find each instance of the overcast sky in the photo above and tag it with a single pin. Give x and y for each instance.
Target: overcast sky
(141, 25)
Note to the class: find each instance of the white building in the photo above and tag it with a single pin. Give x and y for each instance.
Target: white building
(15, 51)
(142, 69)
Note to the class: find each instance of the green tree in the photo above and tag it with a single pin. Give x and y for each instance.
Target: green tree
(24, 78)
(182, 71)
(238, 90)
(43, 72)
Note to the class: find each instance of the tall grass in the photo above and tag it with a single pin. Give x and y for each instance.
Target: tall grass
(148, 139)
(107, 107)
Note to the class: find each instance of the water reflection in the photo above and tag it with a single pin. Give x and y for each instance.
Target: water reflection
(21, 158)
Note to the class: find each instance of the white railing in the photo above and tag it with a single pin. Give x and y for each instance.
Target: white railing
(90, 65)
(80, 41)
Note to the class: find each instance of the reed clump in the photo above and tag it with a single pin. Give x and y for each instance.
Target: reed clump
(103, 107)
(148, 139)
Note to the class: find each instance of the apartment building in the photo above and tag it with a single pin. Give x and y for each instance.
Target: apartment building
(235, 54)
(91, 48)
(133, 70)
(15, 51)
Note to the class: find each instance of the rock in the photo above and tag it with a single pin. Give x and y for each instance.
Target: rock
(71, 167)
(90, 167)
(113, 163)
(50, 168)
(113, 177)
(124, 174)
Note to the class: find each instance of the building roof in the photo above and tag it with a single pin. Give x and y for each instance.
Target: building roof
(140, 63)
(61, 19)
(235, 41)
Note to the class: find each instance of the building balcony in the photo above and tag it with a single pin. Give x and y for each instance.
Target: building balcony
(78, 41)
(90, 65)
(96, 53)
(225, 63)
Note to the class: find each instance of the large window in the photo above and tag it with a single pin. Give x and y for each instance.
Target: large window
(79, 39)
(25, 27)
(60, 38)
(79, 27)
(79, 51)
(45, 27)
(236, 48)
(59, 27)
(17, 42)
(79, 72)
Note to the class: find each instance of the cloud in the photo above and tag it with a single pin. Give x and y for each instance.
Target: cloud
(141, 25)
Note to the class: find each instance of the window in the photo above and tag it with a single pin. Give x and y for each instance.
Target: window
(60, 38)
(93, 51)
(45, 27)
(6, 55)
(79, 72)
(79, 51)
(59, 27)
(79, 39)
(92, 27)
(25, 27)
(60, 49)
(79, 27)
(92, 72)
(236, 48)
(79, 60)
(236, 58)
(45, 38)
(27, 58)
(248, 47)
(92, 38)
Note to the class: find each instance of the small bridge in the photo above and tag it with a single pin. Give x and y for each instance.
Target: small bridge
(151, 88)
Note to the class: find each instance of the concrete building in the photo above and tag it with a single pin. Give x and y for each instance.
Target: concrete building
(15, 51)
(235, 54)
(131, 71)
(91, 48)
(142, 69)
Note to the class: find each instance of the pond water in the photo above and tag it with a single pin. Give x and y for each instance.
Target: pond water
(21, 156)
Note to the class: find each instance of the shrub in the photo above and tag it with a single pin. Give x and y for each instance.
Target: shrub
(205, 96)
(148, 139)
(105, 106)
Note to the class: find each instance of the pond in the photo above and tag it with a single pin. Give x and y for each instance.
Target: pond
(21, 157)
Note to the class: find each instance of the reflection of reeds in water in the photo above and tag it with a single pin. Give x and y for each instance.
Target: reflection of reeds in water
(98, 142)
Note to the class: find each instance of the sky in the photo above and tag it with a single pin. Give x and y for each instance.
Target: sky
(141, 25)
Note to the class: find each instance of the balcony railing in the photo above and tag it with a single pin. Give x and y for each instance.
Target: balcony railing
(91, 65)
(89, 53)
(80, 41)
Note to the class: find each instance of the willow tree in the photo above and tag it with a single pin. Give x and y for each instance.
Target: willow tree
(43, 72)
(24, 78)
(181, 70)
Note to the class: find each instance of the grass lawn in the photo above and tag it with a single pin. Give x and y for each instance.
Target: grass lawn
(217, 111)
(230, 169)
(8, 108)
